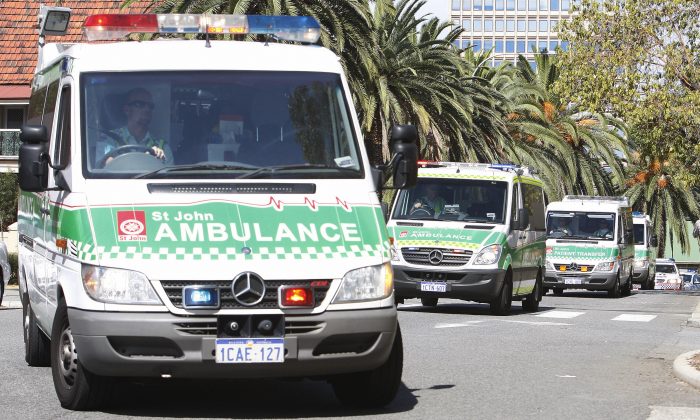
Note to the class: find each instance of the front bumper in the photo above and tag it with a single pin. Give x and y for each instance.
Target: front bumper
(476, 285)
(590, 281)
(154, 344)
(640, 275)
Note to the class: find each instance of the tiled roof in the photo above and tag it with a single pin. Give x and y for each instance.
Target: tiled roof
(18, 33)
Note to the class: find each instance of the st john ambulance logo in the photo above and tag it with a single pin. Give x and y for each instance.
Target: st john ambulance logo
(131, 225)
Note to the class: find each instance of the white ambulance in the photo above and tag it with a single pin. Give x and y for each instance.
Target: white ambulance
(202, 208)
(645, 242)
(590, 245)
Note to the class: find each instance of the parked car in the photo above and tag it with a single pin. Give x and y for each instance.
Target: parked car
(667, 275)
(4, 270)
(691, 281)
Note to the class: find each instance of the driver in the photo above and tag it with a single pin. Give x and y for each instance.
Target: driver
(139, 113)
(561, 226)
(604, 230)
(431, 201)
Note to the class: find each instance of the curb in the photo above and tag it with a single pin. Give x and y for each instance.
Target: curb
(694, 320)
(685, 371)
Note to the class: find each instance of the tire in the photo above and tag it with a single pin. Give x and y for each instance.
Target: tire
(375, 388)
(501, 305)
(627, 291)
(429, 301)
(532, 302)
(558, 292)
(2, 289)
(616, 291)
(76, 388)
(36, 343)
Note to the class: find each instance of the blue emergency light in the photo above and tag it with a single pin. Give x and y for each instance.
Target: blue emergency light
(194, 297)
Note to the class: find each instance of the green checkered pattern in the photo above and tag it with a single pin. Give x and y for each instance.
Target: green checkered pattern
(87, 252)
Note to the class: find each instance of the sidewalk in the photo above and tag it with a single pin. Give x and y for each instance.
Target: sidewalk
(11, 298)
(687, 365)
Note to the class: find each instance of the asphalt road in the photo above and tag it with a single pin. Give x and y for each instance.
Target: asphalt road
(583, 356)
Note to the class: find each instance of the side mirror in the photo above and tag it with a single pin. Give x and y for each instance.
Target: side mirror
(654, 241)
(33, 166)
(523, 219)
(403, 144)
(385, 211)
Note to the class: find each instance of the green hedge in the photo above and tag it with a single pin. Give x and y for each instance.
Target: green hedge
(12, 259)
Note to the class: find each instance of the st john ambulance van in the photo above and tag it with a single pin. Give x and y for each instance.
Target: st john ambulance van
(203, 208)
(470, 231)
(590, 245)
(645, 242)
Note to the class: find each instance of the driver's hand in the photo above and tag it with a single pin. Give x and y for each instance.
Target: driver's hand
(418, 205)
(160, 154)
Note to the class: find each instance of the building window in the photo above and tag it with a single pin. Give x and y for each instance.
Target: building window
(499, 25)
(488, 5)
(499, 46)
(465, 43)
(522, 4)
(510, 25)
(499, 4)
(521, 45)
(510, 46)
(510, 4)
(554, 5)
(542, 46)
(488, 44)
(14, 118)
(466, 4)
(467, 24)
(477, 45)
(531, 45)
(477, 4)
(455, 4)
(521, 25)
(488, 25)
(553, 25)
(544, 4)
(477, 25)
(543, 26)
(552, 46)
(532, 5)
(564, 5)
(532, 25)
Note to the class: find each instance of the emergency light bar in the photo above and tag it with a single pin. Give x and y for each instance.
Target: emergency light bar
(115, 26)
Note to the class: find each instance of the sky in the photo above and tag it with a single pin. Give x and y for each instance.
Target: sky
(438, 8)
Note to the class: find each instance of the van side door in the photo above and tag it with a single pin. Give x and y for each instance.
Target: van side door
(515, 236)
(533, 244)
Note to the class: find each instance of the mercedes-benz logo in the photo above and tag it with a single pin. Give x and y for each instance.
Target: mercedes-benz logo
(435, 257)
(573, 266)
(248, 289)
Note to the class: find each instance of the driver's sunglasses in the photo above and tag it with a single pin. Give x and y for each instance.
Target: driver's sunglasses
(142, 104)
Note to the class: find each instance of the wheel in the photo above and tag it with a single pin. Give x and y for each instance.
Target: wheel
(501, 305)
(558, 292)
(2, 289)
(76, 388)
(375, 388)
(429, 301)
(545, 291)
(532, 302)
(36, 344)
(616, 290)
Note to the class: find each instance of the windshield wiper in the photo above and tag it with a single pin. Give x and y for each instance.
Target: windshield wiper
(272, 169)
(196, 167)
(571, 237)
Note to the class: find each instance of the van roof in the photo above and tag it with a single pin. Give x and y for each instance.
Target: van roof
(179, 54)
(462, 170)
(583, 205)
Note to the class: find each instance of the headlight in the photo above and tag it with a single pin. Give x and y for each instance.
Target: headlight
(550, 266)
(112, 285)
(394, 253)
(367, 283)
(605, 266)
(641, 263)
(488, 255)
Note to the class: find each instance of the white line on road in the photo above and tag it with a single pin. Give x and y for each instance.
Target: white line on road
(459, 324)
(534, 322)
(560, 314)
(673, 413)
(634, 318)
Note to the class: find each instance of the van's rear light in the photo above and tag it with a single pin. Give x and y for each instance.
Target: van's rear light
(296, 297)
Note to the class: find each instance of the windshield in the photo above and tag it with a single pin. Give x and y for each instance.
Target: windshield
(665, 268)
(639, 234)
(581, 225)
(454, 199)
(217, 124)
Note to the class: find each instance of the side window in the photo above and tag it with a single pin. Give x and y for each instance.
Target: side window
(534, 203)
(50, 107)
(36, 106)
(515, 198)
(63, 136)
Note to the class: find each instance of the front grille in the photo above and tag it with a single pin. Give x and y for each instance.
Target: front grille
(173, 288)
(573, 274)
(290, 327)
(450, 258)
(577, 268)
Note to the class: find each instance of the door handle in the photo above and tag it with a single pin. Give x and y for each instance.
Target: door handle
(45, 210)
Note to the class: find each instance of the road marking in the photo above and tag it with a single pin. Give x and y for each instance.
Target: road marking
(560, 314)
(566, 376)
(673, 413)
(533, 322)
(634, 318)
(409, 305)
(458, 324)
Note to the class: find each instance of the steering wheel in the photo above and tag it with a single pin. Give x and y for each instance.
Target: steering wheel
(121, 150)
(421, 209)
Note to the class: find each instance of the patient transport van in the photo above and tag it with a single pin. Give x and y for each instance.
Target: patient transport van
(590, 245)
(645, 243)
(470, 231)
(260, 251)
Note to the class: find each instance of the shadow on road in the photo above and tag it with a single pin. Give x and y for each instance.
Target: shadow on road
(467, 308)
(239, 399)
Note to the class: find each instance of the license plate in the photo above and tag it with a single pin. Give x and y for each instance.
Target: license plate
(573, 280)
(427, 286)
(249, 350)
